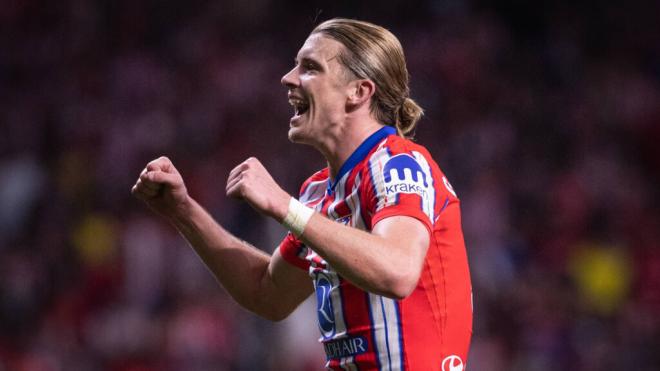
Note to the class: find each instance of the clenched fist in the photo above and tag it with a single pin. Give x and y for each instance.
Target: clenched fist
(250, 181)
(161, 187)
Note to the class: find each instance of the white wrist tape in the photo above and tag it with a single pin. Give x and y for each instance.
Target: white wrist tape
(297, 217)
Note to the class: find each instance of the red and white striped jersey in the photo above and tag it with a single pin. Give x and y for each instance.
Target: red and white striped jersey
(430, 329)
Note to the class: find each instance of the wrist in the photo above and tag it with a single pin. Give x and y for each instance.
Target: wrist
(297, 217)
(281, 208)
(182, 210)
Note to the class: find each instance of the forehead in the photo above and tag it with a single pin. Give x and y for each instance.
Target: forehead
(320, 47)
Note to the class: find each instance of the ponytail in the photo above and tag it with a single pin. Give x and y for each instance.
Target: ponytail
(407, 116)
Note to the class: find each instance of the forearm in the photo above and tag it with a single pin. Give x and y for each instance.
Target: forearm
(385, 266)
(239, 267)
(264, 284)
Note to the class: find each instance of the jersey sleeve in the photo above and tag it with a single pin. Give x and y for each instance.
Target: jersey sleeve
(294, 251)
(400, 183)
(291, 248)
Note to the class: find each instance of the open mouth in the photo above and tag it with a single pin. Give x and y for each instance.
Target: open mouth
(300, 106)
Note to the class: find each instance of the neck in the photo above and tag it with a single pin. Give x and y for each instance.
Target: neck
(348, 140)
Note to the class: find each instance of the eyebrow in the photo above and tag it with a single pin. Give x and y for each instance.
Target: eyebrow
(303, 59)
(308, 60)
(315, 61)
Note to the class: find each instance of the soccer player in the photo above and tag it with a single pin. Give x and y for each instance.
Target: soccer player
(378, 230)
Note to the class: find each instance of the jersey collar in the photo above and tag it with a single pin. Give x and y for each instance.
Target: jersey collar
(360, 153)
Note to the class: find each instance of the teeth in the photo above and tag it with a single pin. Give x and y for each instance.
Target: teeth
(297, 102)
(299, 105)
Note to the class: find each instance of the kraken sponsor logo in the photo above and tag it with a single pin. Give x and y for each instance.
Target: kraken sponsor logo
(402, 174)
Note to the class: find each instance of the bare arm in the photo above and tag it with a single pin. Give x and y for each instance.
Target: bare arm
(266, 285)
(388, 261)
(263, 284)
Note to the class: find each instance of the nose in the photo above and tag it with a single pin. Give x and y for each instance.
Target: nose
(290, 79)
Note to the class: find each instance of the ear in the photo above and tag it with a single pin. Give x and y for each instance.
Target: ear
(360, 92)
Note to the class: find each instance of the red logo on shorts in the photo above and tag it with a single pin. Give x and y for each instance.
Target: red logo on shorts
(452, 363)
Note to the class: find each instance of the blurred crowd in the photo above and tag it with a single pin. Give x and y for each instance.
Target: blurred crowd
(546, 118)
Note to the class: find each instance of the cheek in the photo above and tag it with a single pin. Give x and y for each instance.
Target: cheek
(330, 98)
(326, 106)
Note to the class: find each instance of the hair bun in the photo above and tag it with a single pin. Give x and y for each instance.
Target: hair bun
(408, 114)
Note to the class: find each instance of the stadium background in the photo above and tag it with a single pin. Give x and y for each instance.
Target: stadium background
(546, 118)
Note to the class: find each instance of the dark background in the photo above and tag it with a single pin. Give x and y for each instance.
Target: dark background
(544, 116)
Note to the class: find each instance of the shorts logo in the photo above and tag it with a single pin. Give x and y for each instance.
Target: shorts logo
(325, 311)
(404, 175)
(452, 363)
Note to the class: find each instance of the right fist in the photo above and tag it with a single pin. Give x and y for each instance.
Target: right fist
(161, 187)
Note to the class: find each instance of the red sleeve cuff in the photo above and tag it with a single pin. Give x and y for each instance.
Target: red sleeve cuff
(292, 251)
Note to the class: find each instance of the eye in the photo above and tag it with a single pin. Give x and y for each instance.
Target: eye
(306, 67)
(310, 66)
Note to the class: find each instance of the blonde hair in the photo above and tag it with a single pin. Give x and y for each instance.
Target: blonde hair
(372, 52)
